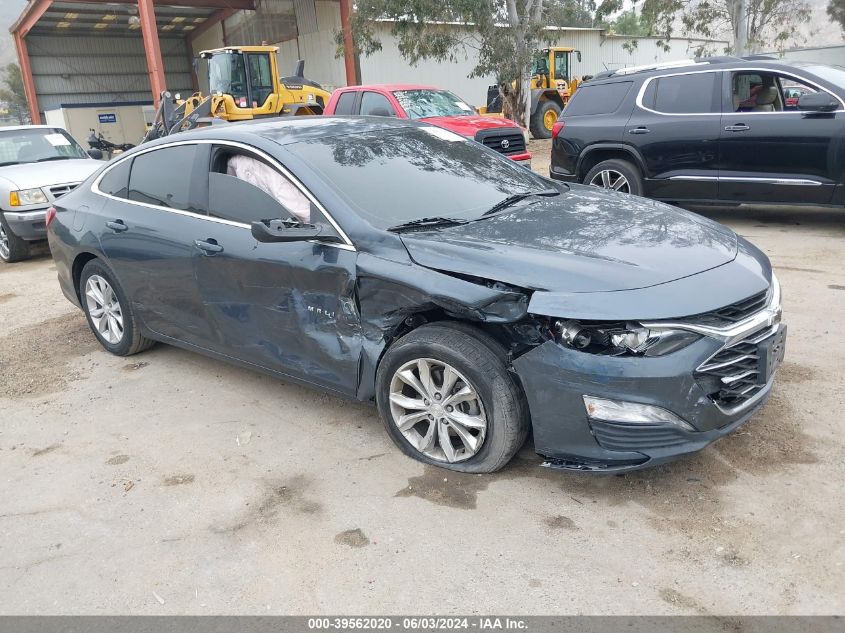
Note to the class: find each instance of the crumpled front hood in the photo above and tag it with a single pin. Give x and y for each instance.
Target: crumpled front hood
(48, 173)
(468, 125)
(586, 240)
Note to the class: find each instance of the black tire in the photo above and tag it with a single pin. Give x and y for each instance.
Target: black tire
(131, 341)
(627, 169)
(537, 125)
(18, 248)
(481, 360)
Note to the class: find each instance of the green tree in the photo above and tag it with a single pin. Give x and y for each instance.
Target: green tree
(629, 22)
(768, 24)
(12, 92)
(502, 33)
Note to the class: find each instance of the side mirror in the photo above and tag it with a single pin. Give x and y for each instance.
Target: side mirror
(818, 102)
(95, 153)
(288, 231)
(578, 55)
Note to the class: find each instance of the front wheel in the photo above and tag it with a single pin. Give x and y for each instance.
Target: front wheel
(616, 174)
(446, 398)
(12, 248)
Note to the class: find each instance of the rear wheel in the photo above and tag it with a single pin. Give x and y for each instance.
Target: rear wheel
(446, 398)
(108, 311)
(12, 248)
(544, 118)
(616, 174)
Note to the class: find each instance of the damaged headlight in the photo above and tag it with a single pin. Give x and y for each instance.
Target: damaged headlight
(617, 339)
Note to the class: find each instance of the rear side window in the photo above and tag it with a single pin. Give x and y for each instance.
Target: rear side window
(685, 94)
(345, 103)
(600, 99)
(115, 182)
(163, 178)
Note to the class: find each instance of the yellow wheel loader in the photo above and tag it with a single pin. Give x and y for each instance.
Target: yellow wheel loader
(551, 88)
(244, 84)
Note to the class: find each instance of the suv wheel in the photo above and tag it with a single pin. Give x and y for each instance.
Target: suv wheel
(12, 248)
(446, 398)
(543, 119)
(616, 174)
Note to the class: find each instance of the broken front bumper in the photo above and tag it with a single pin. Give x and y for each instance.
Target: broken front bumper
(556, 379)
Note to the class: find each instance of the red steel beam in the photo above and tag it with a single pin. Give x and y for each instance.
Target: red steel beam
(28, 82)
(31, 14)
(348, 46)
(152, 49)
(246, 5)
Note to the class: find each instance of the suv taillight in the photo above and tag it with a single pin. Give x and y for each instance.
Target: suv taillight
(51, 215)
(557, 128)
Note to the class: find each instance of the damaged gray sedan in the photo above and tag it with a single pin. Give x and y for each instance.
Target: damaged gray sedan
(472, 300)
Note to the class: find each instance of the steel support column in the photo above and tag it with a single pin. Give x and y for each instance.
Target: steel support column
(352, 78)
(28, 82)
(152, 49)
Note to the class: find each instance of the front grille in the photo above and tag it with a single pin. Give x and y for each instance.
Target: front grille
(514, 141)
(733, 375)
(59, 190)
(731, 314)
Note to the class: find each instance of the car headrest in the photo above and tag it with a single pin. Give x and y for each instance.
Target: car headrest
(767, 95)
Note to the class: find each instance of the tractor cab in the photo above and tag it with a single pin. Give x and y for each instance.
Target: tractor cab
(550, 68)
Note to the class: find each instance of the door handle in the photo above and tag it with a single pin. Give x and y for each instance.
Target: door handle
(639, 130)
(118, 226)
(739, 127)
(209, 246)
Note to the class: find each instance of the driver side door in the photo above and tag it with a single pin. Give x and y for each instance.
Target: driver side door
(285, 307)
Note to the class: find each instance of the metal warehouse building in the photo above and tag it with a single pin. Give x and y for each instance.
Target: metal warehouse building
(101, 64)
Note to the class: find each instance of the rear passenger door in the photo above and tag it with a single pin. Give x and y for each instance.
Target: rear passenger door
(769, 150)
(676, 129)
(155, 207)
(376, 104)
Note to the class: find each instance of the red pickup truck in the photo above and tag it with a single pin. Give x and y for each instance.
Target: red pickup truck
(437, 107)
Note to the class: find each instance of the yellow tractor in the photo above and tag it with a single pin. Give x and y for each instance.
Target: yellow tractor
(551, 88)
(244, 84)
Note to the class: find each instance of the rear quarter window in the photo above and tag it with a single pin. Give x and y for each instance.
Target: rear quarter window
(598, 99)
(345, 103)
(115, 181)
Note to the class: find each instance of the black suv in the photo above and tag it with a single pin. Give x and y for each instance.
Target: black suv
(723, 129)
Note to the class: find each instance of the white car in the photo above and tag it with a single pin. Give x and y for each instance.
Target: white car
(38, 164)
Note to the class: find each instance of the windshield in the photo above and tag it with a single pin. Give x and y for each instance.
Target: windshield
(540, 63)
(419, 104)
(390, 177)
(833, 74)
(35, 145)
(226, 75)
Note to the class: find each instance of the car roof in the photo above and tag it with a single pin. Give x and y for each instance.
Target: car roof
(293, 129)
(9, 128)
(391, 87)
(700, 64)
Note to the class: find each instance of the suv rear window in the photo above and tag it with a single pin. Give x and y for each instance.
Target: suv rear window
(682, 94)
(599, 99)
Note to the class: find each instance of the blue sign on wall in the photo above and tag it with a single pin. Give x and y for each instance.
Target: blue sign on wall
(107, 118)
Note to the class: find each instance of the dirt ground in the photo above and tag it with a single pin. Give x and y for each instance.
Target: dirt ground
(170, 483)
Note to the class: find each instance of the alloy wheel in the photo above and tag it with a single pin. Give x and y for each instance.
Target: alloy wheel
(549, 119)
(104, 309)
(437, 410)
(4, 243)
(611, 179)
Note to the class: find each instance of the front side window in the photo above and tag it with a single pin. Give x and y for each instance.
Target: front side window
(227, 76)
(375, 104)
(37, 145)
(257, 191)
(686, 94)
(163, 177)
(420, 104)
(390, 177)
